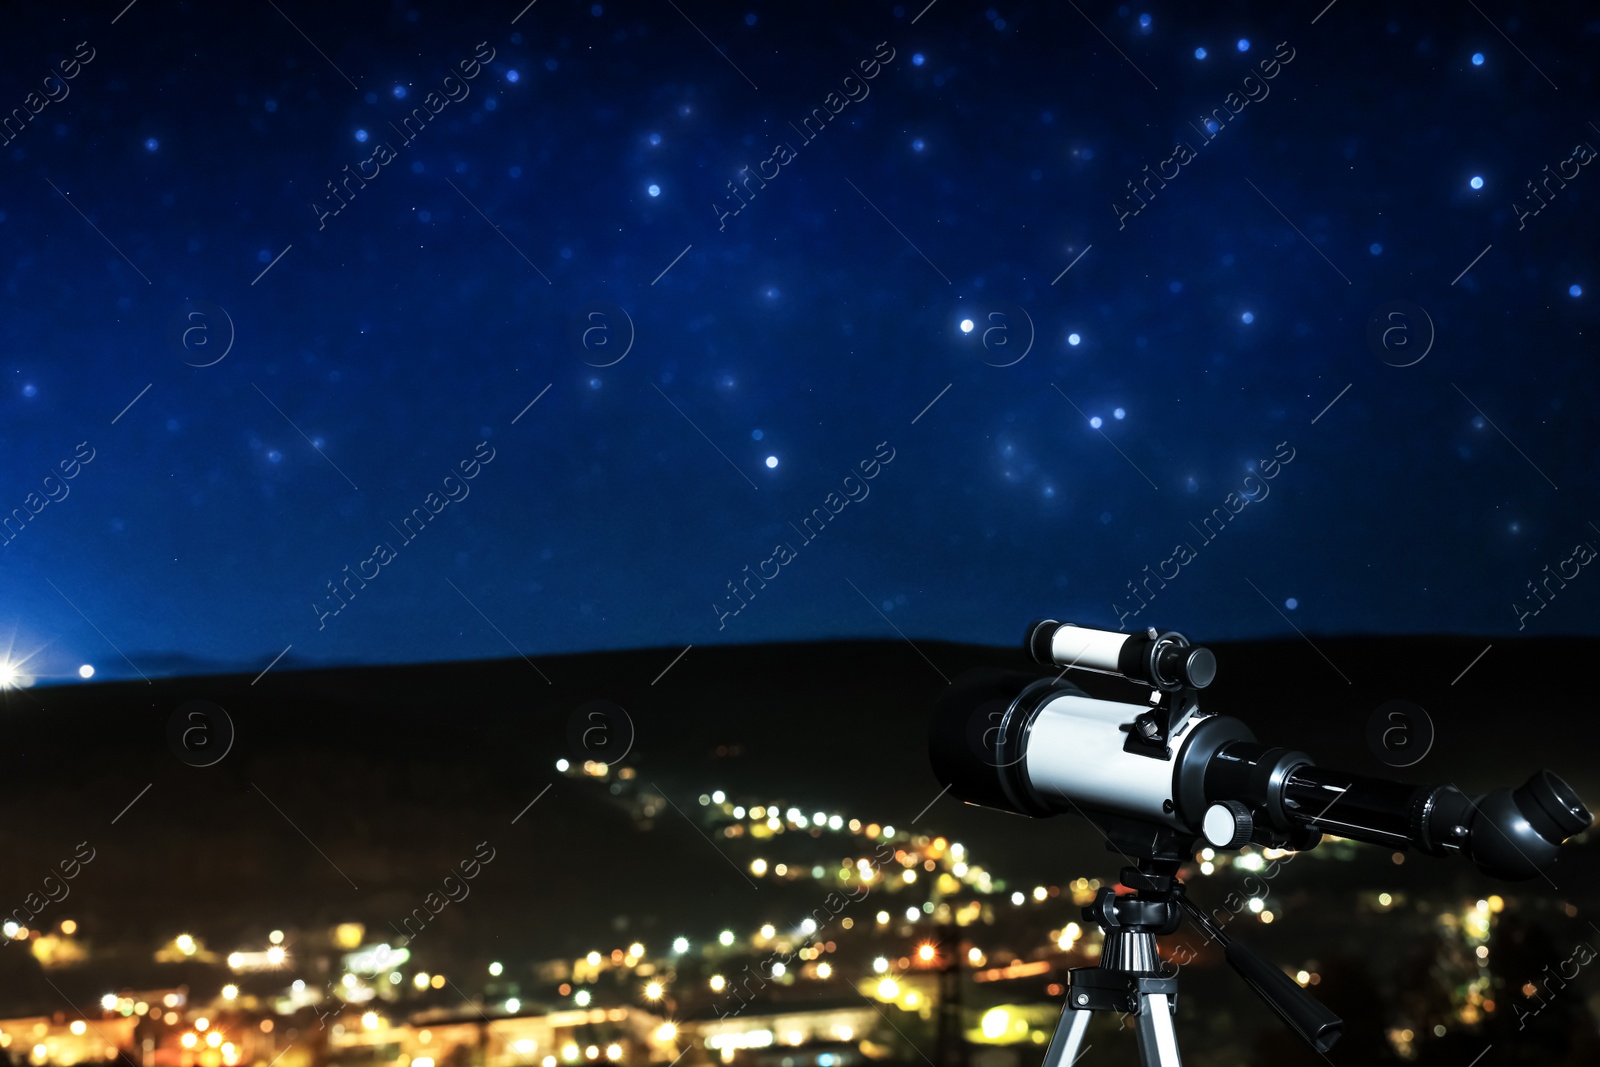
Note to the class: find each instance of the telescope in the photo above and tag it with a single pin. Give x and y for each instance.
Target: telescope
(1158, 778)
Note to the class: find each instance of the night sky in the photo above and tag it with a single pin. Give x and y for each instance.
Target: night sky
(383, 332)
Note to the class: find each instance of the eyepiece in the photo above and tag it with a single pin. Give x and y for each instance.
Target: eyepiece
(1516, 832)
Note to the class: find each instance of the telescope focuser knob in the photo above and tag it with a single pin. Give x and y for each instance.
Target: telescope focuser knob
(1228, 824)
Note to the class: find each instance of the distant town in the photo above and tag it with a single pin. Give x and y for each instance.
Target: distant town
(912, 952)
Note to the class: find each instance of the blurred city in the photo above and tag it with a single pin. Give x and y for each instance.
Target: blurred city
(890, 946)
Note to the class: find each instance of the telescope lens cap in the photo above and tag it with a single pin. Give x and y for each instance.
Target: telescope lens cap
(1200, 667)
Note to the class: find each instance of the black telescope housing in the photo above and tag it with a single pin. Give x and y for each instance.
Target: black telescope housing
(1041, 746)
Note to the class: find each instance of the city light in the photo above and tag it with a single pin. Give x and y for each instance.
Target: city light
(888, 989)
(230, 992)
(824, 970)
(718, 983)
(185, 944)
(495, 969)
(653, 991)
(768, 931)
(420, 980)
(513, 1005)
(189, 1041)
(109, 1002)
(69, 927)
(925, 953)
(680, 945)
(276, 937)
(581, 998)
(995, 1023)
(214, 1038)
(79, 1027)
(880, 965)
(370, 1020)
(725, 938)
(666, 1032)
(613, 1052)
(201, 1023)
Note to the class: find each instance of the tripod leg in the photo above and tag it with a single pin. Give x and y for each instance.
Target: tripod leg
(1158, 1042)
(1063, 1050)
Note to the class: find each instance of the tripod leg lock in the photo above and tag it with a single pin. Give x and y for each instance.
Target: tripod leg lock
(1097, 989)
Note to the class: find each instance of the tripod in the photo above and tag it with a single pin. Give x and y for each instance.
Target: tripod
(1130, 979)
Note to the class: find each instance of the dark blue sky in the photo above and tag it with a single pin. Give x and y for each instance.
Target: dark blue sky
(277, 278)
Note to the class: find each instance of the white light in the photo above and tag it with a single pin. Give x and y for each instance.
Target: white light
(561, 765)
(680, 945)
(880, 965)
(276, 937)
(772, 462)
(108, 1002)
(913, 914)
(809, 926)
(581, 999)
(719, 796)
(778, 970)
(996, 1021)
(1256, 904)
(11, 929)
(966, 325)
(230, 992)
(8, 675)
(1074, 339)
(495, 969)
(835, 822)
(1017, 898)
(513, 1005)
(726, 937)
(86, 671)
